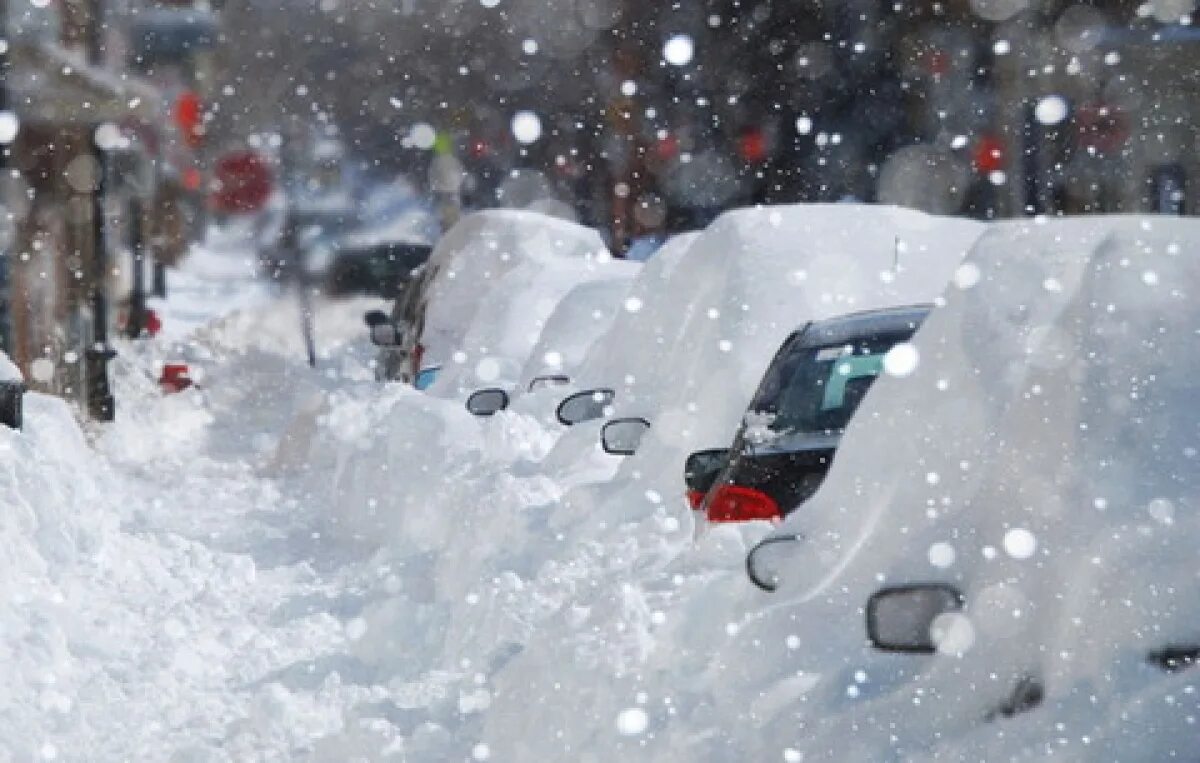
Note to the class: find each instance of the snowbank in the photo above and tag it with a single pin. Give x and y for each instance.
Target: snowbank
(584, 315)
(513, 312)
(1040, 459)
(8, 369)
(521, 566)
(472, 259)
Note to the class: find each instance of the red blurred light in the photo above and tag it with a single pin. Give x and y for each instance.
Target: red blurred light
(752, 145)
(667, 147)
(192, 179)
(734, 503)
(989, 155)
(188, 117)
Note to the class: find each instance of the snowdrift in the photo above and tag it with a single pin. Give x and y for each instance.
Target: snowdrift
(474, 257)
(1040, 460)
(528, 565)
(515, 310)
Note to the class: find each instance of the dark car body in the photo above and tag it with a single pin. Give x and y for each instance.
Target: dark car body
(796, 419)
(380, 270)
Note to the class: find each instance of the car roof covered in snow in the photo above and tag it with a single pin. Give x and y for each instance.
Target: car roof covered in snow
(755, 276)
(473, 260)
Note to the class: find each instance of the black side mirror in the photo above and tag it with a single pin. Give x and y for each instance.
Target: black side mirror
(375, 318)
(909, 618)
(12, 404)
(621, 437)
(553, 380)
(585, 406)
(703, 467)
(487, 402)
(766, 561)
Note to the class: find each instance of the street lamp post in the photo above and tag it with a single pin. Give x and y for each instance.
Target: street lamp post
(100, 401)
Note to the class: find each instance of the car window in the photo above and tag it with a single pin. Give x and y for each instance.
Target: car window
(817, 389)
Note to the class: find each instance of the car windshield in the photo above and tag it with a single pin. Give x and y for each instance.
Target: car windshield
(378, 270)
(817, 389)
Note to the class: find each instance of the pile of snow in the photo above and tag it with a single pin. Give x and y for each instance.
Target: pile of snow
(499, 275)
(518, 566)
(8, 369)
(581, 317)
(1040, 458)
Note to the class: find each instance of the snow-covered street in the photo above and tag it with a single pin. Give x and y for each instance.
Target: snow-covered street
(167, 592)
(284, 562)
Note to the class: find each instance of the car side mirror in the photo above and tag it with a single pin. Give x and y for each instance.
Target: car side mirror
(385, 335)
(585, 406)
(487, 402)
(375, 318)
(553, 380)
(766, 561)
(911, 618)
(702, 468)
(621, 437)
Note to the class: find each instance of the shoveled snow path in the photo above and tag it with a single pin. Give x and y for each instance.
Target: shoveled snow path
(194, 629)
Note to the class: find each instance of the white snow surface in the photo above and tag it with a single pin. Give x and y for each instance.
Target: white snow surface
(289, 563)
(515, 311)
(473, 259)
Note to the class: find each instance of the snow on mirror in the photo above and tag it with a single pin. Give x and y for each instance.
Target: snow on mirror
(585, 406)
(621, 437)
(907, 618)
(487, 402)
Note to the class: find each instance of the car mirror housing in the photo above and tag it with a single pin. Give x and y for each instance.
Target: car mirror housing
(585, 406)
(487, 402)
(909, 618)
(621, 437)
(765, 562)
(374, 318)
(552, 380)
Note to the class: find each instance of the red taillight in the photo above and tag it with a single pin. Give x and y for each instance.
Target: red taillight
(734, 503)
(417, 354)
(695, 499)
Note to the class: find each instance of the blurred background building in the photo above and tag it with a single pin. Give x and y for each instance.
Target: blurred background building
(644, 118)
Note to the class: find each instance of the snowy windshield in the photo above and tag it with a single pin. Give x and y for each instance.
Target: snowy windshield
(812, 390)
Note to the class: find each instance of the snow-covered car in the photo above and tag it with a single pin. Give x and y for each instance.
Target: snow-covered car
(1012, 517)
(465, 277)
(690, 348)
(579, 318)
(795, 421)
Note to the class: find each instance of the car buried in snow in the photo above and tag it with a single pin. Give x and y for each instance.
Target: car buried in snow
(1002, 536)
(487, 260)
(795, 421)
